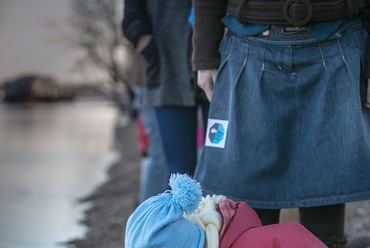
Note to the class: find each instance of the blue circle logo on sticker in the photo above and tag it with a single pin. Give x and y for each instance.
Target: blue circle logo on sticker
(216, 133)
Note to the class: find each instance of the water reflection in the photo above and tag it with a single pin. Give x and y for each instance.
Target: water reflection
(50, 154)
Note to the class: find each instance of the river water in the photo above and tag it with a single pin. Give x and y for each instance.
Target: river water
(50, 155)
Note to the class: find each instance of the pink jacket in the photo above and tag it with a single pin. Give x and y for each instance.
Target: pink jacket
(243, 229)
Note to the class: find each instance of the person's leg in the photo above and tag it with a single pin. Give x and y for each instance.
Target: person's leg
(177, 127)
(326, 222)
(268, 216)
(154, 180)
(153, 172)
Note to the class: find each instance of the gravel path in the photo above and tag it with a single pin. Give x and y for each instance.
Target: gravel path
(114, 201)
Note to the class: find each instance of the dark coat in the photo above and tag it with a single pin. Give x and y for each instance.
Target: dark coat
(169, 78)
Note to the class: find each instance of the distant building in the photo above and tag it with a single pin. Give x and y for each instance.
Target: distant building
(32, 88)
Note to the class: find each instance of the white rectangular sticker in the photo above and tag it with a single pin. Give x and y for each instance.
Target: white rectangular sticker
(216, 133)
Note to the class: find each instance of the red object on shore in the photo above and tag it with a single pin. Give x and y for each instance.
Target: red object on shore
(142, 136)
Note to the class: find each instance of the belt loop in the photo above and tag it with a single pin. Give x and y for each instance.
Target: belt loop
(240, 7)
(350, 8)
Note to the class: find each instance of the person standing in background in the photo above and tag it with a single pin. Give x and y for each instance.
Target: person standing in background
(160, 31)
(153, 169)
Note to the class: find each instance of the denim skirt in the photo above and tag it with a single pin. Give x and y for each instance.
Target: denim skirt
(287, 126)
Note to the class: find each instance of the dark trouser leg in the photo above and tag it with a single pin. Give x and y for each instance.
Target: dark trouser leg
(326, 222)
(177, 128)
(268, 216)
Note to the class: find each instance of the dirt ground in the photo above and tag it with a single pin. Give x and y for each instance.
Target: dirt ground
(114, 200)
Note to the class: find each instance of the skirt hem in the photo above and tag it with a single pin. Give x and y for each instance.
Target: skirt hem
(311, 202)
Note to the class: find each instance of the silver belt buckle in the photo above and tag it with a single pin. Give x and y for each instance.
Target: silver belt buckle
(293, 30)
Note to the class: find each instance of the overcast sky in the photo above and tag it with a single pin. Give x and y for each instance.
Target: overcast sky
(28, 40)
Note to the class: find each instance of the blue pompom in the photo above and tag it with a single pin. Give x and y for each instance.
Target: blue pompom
(186, 192)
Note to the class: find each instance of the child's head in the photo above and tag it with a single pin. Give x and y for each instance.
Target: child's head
(159, 221)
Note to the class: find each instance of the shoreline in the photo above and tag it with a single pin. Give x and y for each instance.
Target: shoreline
(112, 202)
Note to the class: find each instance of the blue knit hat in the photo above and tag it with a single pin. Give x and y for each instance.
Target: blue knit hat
(159, 223)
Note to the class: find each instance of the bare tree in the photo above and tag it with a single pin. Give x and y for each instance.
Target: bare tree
(96, 26)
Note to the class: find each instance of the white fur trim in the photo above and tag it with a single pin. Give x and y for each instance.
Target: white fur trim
(207, 217)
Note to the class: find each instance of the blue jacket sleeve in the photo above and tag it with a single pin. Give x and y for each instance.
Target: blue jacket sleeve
(136, 21)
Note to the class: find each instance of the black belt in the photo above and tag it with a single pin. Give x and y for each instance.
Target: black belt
(293, 12)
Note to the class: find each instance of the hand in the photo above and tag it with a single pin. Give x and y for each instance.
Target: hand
(142, 42)
(206, 80)
(367, 103)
